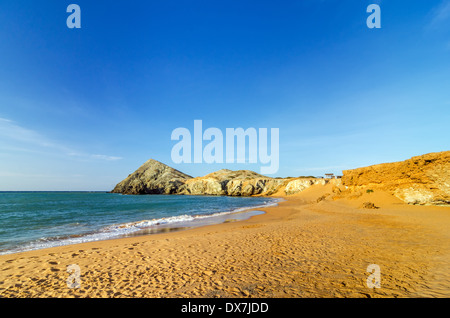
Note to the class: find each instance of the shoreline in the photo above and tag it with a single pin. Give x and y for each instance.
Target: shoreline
(300, 248)
(145, 227)
(163, 230)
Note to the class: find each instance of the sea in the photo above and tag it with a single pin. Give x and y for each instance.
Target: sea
(38, 220)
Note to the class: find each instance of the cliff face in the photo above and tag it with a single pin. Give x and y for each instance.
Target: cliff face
(420, 180)
(232, 183)
(154, 177)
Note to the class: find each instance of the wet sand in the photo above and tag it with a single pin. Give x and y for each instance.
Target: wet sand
(301, 248)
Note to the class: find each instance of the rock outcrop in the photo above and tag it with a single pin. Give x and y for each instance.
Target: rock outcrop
(420, 180)
(299, 185)
(228, 182)
(154, 177)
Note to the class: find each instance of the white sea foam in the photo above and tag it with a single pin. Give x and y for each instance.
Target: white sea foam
(128, 229)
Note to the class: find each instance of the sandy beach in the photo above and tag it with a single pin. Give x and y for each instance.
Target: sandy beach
(212, 152)
(304, 247)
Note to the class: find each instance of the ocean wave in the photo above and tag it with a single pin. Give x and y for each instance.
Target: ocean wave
(130, 228)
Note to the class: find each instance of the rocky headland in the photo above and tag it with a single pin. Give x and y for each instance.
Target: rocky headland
(154, 177)
(420, 180)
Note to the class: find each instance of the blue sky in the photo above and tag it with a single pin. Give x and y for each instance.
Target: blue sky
(80, 109)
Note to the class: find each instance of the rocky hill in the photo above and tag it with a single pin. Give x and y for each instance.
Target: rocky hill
(420, 180)
(154, 177)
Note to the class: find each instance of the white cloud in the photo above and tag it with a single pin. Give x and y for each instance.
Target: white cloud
(108, 158)
(440, 16)
(12, 132)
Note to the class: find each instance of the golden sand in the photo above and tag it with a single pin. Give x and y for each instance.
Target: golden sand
(302, 248)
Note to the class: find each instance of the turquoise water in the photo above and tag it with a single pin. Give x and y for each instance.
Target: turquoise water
(35, 220)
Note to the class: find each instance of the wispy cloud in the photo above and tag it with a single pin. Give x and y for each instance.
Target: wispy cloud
(439, 16)
(94, 156)
(12, 132)
(36, 175)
